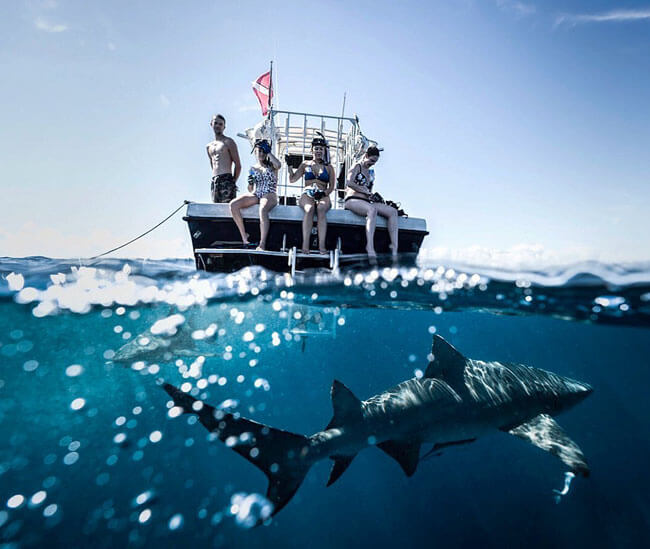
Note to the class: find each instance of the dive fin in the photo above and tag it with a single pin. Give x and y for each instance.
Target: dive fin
(407, 454)
(448, 364)
(347, 407)
(543, 432)
(341, 463)
(281, 455)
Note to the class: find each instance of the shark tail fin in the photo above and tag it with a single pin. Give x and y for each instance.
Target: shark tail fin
(282, 456)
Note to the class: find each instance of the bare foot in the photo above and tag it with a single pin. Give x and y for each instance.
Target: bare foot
(260, 249)
(323, 252)
(304, 251)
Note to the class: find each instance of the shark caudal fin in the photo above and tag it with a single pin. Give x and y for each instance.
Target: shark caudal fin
(281, 455)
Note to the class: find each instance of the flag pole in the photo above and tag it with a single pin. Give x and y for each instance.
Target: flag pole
(270, 105)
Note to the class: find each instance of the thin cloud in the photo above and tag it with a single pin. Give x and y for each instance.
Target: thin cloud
(48, 26)
(616, 16)
(518, 8)
(164, 100)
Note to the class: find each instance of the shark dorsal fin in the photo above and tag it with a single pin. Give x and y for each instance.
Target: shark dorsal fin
(341, 463)
(407, 454)
(346, 406)
(448, 364)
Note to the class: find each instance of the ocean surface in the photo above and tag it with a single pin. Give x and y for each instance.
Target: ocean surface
(94, 453)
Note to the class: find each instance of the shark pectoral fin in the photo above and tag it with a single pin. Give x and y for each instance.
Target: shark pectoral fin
(448, 364)
(545, 433)
(407, 454)
(346, 406)
(341, 463)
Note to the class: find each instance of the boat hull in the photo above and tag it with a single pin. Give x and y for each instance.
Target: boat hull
(212, 230)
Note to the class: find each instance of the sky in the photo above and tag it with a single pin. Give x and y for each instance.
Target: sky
(516, 129)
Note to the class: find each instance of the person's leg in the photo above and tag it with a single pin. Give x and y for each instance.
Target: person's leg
(307, 204)
(367, 210)
(322, 209)
(390, 214)
(267, 203)
(235, 210)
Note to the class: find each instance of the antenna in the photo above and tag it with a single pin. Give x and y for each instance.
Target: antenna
(343, 109)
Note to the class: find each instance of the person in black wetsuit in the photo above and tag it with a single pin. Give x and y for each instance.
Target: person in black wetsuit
(319, 184)
(360, 199)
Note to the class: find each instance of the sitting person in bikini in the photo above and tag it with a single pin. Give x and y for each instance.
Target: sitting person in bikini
(319, 175)
(262, 190)
(360, 199)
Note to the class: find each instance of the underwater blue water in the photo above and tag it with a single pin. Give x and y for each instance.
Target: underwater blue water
(89, 455)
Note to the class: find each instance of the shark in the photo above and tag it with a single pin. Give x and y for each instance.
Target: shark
(167, 338)
(454, 402)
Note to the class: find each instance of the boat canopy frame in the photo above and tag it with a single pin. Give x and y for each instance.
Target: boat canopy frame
(291, 133)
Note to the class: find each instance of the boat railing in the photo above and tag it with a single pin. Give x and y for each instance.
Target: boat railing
(292, 133)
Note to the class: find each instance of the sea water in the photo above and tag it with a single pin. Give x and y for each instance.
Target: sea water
(92, 452)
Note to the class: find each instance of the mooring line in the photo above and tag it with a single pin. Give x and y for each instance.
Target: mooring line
(185, 203)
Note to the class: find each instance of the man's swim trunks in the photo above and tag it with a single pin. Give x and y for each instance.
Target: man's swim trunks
(223, 188)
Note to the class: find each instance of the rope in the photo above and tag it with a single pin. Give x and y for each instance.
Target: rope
(185, 202)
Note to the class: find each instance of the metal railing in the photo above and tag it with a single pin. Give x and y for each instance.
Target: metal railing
(340, 132)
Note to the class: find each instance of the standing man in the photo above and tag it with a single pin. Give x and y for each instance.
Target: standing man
(223, 153)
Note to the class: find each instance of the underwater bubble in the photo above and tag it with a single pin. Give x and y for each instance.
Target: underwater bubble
(250, 509)
(15, 501)
(240, 378)
(50, 510)
(432, 330)
(137, 410)
(111, 460)
(49, 482)
(74, 445)
(418, 373)
(175, 522)
(120, 311)
(341, 321)
(37, 498)
(30, 365)
(77, 404)
(49, 459)
(143, 498)
(175, 411)
(109, 354)
(248, 336)
(144, 516)
(155, 436)
(134, 315)
(372, 440)
(216, 518)
(222, 381)
(102, 479)
(120, 421)
(71, 458)
(74, 370)
(119, 438)
(167, 326)
(118, 329)
(412, 358)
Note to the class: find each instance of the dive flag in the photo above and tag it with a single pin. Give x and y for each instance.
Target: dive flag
(263, 90)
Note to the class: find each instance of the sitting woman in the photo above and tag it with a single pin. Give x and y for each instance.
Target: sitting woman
(319, 175)
(262, 190)
(361, 200)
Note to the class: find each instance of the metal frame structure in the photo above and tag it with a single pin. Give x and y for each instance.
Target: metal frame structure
(291, 133)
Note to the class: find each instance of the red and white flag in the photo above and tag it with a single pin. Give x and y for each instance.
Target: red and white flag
(263, 90)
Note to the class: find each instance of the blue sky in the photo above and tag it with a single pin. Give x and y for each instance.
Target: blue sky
(510, 126)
